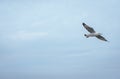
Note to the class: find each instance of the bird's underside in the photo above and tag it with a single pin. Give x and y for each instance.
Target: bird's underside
(93, 33)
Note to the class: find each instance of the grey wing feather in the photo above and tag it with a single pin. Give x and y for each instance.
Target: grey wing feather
(101, 38)
(88, 28)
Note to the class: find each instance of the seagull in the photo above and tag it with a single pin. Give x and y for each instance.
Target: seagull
(93, 33)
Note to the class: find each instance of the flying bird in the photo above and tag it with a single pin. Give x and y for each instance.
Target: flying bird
(93, 33)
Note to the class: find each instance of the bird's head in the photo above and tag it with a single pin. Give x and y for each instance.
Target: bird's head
(86, 35)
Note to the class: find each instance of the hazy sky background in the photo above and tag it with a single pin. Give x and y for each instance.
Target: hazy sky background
(44, 39)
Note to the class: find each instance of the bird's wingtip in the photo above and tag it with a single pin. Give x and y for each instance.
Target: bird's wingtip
(106, 40)
(83, 24)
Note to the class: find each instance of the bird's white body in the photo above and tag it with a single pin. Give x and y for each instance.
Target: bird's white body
(92, 34)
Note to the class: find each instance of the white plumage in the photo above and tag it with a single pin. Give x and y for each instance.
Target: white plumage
(93, 33)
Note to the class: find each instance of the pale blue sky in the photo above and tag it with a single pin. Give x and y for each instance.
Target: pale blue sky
(44, 39)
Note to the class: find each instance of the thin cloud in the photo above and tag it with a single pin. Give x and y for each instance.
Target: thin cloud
(24, 35)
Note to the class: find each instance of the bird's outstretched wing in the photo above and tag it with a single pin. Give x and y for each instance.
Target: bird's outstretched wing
(101, 37)
(88, 28)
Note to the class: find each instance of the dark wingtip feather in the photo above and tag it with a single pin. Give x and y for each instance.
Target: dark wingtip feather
(83, 24)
